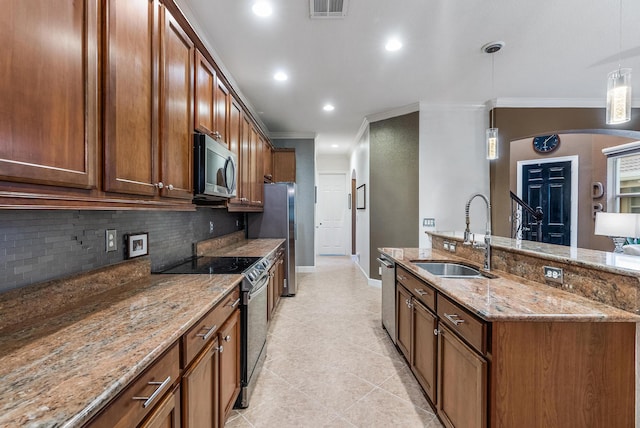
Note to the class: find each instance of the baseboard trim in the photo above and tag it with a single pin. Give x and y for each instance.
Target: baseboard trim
(305, 269)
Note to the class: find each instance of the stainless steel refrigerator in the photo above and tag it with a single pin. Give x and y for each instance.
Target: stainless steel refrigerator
(278, 220)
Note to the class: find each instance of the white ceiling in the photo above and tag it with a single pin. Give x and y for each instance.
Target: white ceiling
(555, 49)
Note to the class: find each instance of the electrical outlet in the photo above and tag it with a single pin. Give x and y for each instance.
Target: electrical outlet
(211, 226)
(111, 243)
(553, 274)
(429, 222)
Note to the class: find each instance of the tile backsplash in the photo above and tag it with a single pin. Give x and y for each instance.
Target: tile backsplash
(40, 245)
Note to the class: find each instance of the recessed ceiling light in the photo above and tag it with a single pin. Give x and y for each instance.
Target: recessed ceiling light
(262, 8)
(335, 146)
(328, 107)
(280, 76)
(393, 45)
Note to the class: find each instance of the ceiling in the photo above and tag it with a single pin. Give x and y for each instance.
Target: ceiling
(556, 50)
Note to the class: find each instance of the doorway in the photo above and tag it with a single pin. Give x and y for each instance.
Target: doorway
(552, 184)
(332, 214)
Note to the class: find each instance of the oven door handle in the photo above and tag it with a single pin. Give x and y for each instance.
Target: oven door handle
(260, 287)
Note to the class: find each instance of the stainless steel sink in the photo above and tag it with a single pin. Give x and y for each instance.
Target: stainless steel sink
(450, 269)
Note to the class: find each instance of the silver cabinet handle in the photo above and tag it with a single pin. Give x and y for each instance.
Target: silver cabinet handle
(401, 278)
(244, 199)
(220, 348)
(454, 318)
(408, 302)
(159, 185)
(436, 332)
(170, 187)
(234, 304)
(421, 292)
(149, 400)
(208, 334)
(227, 338)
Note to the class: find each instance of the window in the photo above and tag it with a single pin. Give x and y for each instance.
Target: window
(624, 176)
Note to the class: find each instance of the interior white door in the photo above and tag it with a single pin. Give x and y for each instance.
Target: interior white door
(332, 214)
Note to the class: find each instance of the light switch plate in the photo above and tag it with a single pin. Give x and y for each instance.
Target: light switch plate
(111, 242)
(429, 222)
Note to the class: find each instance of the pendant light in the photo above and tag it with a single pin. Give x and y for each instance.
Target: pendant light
(492, 133)
(619, 88)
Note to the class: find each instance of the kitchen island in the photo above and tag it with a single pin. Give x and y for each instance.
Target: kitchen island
(69, 347)
(516, 352)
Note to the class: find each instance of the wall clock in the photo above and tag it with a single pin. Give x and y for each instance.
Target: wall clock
(546, 143)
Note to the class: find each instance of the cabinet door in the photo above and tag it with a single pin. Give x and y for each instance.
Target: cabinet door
(49, 115)
(424, 349)
(255, 168)
(235, 140)
(130, 110)
(221, 98)
(403, 321)
(229, 337)
(462, 383)
(267, 161)
(245, 162)
(176, 109)
(166, 414)
(284, 165)
(200, 390)
(204, 95)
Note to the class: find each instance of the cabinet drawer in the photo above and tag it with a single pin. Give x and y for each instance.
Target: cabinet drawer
(194, 340)
(468, 326)
(143, 394)
(422, 291)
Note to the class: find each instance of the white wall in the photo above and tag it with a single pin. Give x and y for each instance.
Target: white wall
(360, 164)
(453, 166)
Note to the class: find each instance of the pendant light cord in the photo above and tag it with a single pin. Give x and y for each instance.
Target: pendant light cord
(620, 35)
(493, 88)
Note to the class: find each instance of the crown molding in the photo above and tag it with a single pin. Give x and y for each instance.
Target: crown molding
(424, 106)
(547, 103)
(292, 135)
(399, 111)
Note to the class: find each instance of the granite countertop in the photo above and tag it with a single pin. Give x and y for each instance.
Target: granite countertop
(60, 366)
(245, 248)
(611, 262)
(508, 297)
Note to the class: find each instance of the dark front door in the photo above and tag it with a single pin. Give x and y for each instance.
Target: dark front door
(548, 185)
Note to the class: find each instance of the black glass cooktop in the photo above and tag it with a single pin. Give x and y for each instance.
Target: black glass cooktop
(213, 265)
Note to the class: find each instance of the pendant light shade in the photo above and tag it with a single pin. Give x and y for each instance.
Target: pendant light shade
(619, 96)
(492, 143)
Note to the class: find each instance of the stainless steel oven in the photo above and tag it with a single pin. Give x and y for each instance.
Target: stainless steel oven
(253, 314)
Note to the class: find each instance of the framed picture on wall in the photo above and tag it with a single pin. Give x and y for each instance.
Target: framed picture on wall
(137, 244)
(361, 197)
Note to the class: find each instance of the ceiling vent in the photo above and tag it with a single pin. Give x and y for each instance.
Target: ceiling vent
(320, 9)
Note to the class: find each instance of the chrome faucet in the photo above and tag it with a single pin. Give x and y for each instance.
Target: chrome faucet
(487, 235)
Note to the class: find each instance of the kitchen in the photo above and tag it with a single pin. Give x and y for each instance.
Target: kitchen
(172, 233)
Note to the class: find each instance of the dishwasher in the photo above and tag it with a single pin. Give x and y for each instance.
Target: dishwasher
(388, 273)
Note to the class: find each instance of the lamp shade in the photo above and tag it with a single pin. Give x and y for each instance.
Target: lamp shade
(625, 225)
(619, 96)
(492, 143)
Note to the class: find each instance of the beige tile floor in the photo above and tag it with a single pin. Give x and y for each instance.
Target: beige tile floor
(330, 363)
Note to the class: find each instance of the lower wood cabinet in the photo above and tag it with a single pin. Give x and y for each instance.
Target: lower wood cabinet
(403, 321)
(166, 414)
(506, 374)
(462, 385)
(229, 338)
(424, 348)
(200, 389)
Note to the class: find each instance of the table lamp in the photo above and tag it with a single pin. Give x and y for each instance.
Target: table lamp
(618, 226)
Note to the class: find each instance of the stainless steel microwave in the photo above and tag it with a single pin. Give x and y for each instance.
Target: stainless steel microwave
(214, 170)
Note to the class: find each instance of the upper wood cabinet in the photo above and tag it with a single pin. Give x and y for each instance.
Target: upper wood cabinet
(148, 102)
(222, 100)
(257, 180)
(49, 115)
(284, 165)
(204, 95)
(235, 142)
(176, 109)
(212, 102)
(267, 161)
(130, 97)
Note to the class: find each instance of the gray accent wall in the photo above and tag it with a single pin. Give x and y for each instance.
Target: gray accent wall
(37, 246)
(394, 186)
(305, 198)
